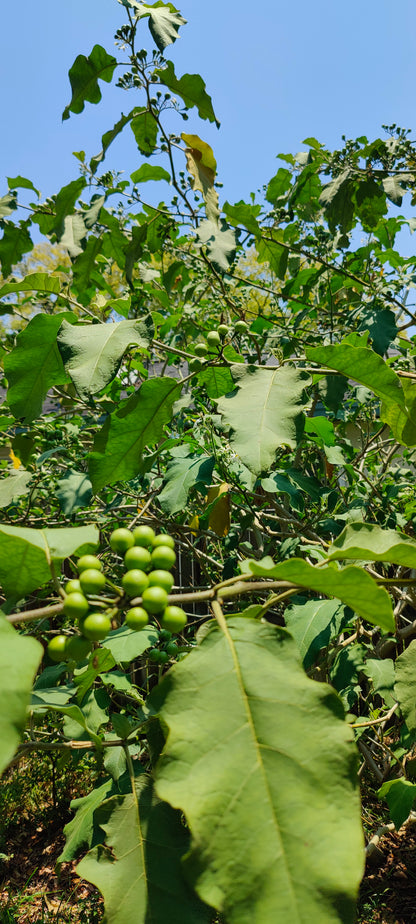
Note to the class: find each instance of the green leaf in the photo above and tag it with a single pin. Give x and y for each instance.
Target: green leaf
(381, 325)
(279, 185)
(244, 214)
(8, 204)
(125, 645)
(400, 796)
(34, 366)
(85, 266)
(164, 20)
(382, 675)
(149, 172)
(145, 841)
(370, 542)
(145, 130)
(25, 554)
(108, 138)
(405, 686)
(20, 657)
(139, 422)
(313, 624)
(34, 282)
(301, 855)
(91, 353)
(356, 361)
(65, 203)
(83, 830)
(275, 255)
(73, 491)
(352, 585)
(191, 88)
(218, 381)
(74, 232)
(337, 200)
(15, 485)
(21, 182)
(264, 413)
(220, 243)
(16, 241)
(84, 75)
(182, 474)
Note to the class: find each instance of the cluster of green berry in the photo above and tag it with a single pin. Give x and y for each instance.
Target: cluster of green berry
(148, 560)
(213, 343)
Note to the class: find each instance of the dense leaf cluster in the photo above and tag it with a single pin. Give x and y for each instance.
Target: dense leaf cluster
(240, 377)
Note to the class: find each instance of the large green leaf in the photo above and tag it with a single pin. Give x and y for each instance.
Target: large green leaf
(140, 873)
(370, 542)
(265, 413)
(25, 554)
(191, 88)
(15, 485)
(183, 473)
(400, 796)
(34, 282)
(19, 659)
(254, 746)
(352, 585)
(164, 20)
(73, 490)
(108, 139)
(82, 831)
(139, 422)
(353, 358)
(84, 75)
(16, 241)
(92, 353)
(405, 686)
(220, 243)
(125, 645)
(34, 365)
(145, 130)
(313, 624)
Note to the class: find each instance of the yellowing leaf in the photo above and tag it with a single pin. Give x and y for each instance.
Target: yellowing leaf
(202, 166)
(16, 462)
(194, 524)
(219, 517)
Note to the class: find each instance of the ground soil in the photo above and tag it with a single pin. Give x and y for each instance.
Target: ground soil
(31, 889)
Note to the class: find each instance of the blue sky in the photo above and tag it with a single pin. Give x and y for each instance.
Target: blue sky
(277, 73)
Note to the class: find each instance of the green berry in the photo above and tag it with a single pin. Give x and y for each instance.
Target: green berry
(57, 648)
(77, 647)
(164, 539)
(134, 582)
(96, 627)
(241, 327)
(174, 619)
(213, 338)
(76, 605)
(163, 557)
(92, 581)
(72, 587)
(143, 535)
(121, 540)
(201, 349)
(86, 562)
(154, 599)
(223, 330)
(161, 578)
(138, 557)
(154, 655)
(136, 618)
